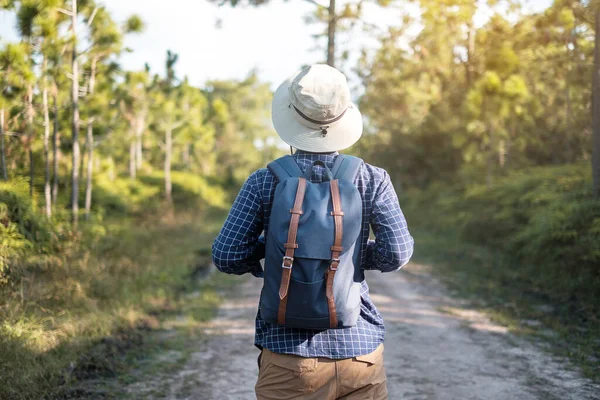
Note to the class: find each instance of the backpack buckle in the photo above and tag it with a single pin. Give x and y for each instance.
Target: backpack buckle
(286, 258)
(334, 264)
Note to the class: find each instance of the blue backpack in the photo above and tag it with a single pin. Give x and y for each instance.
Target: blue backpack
(312, 263)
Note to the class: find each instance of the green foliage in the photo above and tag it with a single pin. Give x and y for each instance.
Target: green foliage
(124, 195)
(73, 322)
(544, 219)
(20, 211)
(510, 94)
(134, 24)
(240, 112)
(190, 190)
(21, 227)
(12, 243)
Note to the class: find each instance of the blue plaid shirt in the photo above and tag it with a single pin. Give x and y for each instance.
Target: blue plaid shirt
(239, 248)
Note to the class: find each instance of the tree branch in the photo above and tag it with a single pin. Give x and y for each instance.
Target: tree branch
(16, 134)
(177, 125)
(92, 17)
(66, 12)
(316, 4)
(91, 46)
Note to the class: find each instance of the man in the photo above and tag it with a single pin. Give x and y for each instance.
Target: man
(312, 112)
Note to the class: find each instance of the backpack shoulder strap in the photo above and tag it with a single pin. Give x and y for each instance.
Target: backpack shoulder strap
(346, 167)
(284, 168)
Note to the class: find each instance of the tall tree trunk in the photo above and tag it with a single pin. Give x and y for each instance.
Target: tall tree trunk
(511, 137)
(31, 135)
(490, 149)
(132, 169)
(92, 83)
(2, 149)
(138, 152)
(75, 121)
(470, 54)
(490, 162)
(596, 111)
(31, 171)
(569, 134)
(90, 168)
(186, 155)
(168, 154)
(47, 192)
(82, 156)
(331, 34)
(139, 133)
(90, 146)
(55, 152)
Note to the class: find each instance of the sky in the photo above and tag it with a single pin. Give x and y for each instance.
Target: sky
(273, 39)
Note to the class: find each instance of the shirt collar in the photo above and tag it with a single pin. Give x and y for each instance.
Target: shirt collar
(306, 153)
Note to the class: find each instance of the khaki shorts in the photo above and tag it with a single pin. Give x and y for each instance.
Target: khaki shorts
(287, 377)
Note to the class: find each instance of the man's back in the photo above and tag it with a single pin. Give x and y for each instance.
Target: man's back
(393, 248)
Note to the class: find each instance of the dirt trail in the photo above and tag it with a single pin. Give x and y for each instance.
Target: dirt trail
(435, 349)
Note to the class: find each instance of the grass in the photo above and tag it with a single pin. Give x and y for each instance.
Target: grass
(492, 282)
(88, 311)
(142, 355)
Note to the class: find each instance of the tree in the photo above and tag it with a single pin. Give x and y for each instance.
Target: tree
(169, 101)
(49, 80)
(73, 13)
(26, 14)
(2, 146)
(240, 115)
(106, 39)
(325, 14)
(596, 108)
(422, 88)
(134, 103)
(15, 73)
(46, 25)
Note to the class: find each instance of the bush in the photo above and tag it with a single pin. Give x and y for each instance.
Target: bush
(21, 227)
(542, 218)
(146, 193)
(124, 195)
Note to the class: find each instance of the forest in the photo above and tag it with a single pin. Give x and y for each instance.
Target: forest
(490, 132)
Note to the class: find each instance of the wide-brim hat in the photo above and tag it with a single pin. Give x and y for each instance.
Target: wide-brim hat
(312, 111)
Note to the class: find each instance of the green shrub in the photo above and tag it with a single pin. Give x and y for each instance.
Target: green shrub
(146, 193)
(22, 230)
(12, 243)
(19, 210)
(124, 195)
(189, 190)
(542, 218)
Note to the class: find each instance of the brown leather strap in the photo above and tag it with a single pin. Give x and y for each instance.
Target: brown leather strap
(330, 300)
(290, 248)
(281, 311)
(336, 250)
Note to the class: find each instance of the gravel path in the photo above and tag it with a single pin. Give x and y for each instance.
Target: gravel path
(435, 349)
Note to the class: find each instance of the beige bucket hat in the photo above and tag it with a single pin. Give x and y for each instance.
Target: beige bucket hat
(313, 111)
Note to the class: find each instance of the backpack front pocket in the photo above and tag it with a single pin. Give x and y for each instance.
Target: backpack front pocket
(307, 299)
(307, 305)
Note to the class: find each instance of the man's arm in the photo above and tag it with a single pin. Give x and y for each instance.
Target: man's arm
(239, 248)
(393, 245)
